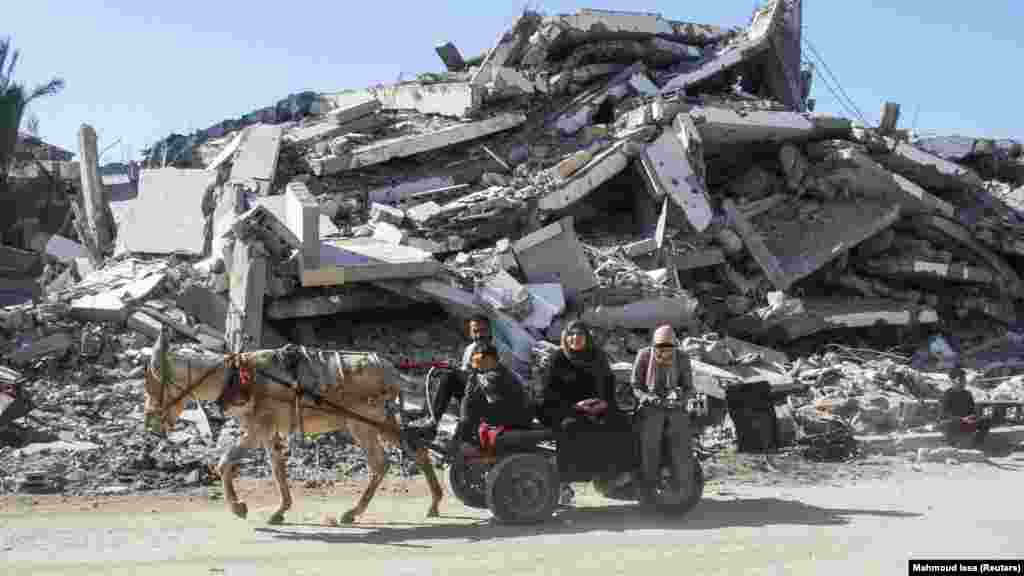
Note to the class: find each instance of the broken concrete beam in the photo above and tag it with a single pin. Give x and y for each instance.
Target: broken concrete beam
(302, 216)
(367, 260)
(145, 324)
(54, 344)
(331, 128)
(257, 157)
(757, 39)
(920, 268)
(385, 213)
(559, 34)
(823, 315)
(261, 224)
(167, 216)
(383, 151)
(422, 214)
(553, 255)
(451, 56)
(227, 152)
(698, 259)
(389, 233)
(94, 198)
(347, 299)
(800, 244)
(601, 169)
(212, 309)
(243, 328)
(508, 47)
(277, 205)
(928, 170)
(722, 127)
(844, 167)
(456, 99)
(643, 314)
(674, 166)
(890, 117)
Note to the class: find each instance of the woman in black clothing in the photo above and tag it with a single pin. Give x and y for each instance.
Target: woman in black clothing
(581, 373)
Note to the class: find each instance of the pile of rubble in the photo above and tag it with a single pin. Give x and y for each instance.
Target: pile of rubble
(618, 167)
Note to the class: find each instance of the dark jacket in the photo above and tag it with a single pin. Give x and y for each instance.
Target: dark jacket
(566, 383)
(509, 408)
(957, 403)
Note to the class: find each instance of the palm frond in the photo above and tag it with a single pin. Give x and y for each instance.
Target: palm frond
(9, 75)
(49, 89)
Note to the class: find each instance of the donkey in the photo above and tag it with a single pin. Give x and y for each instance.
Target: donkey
(269, 410)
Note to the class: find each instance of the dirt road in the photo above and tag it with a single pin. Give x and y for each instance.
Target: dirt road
(867, 527)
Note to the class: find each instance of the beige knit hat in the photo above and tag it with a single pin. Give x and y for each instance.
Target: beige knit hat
(664, 334)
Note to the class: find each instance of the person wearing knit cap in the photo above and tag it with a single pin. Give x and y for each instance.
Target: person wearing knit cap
(662, 374)
(959, 419)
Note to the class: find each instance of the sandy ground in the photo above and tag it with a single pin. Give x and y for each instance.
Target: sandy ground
(866, 524)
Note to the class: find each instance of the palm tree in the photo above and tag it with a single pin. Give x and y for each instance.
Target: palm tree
(14, 99)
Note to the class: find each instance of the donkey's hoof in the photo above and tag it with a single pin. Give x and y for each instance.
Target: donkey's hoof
(240, 509)
(348, 517)
(433, 513)
(330, 520)
(276, 518)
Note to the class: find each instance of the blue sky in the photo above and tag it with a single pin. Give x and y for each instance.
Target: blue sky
(141, 70)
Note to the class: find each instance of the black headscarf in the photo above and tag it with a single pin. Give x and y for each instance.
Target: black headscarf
(589, 357)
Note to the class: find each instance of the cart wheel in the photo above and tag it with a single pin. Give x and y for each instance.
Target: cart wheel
(468, 481)
(523, 489)
(674, 502)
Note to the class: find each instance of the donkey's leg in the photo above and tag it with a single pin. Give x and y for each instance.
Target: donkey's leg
(228, 466)
(279, 465)
(376, 459)
(436, 492)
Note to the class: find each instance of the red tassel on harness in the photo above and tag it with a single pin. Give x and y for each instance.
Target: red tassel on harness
(488, 434)
(969, 424)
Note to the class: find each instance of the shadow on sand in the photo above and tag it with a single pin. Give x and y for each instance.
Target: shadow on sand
(708, 515)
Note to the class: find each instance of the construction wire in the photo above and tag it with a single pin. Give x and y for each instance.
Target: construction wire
(828, 70)
(842, 103)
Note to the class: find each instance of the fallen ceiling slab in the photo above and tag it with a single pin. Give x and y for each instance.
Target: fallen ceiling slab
(167, 216)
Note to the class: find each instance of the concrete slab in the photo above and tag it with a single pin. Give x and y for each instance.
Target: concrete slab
(674, 166)
(330, 128)
(722, 127)
(260, 224)
(389, 233)
(212, 309)
(65, 249)
(243, 329)
(257, 156)
(743, 49)
(790, 246)
(278, 206)
(451, 56)
(386, 213)
(553, 255)
(456, 99)
(559, 33)
(698, 259)
(16, 262)
(366, 260)
(601, 169)
(385, 150)
(167, 216)
(643, 314)
(824, 315)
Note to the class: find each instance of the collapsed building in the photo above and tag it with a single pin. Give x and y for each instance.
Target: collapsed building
(617, 167)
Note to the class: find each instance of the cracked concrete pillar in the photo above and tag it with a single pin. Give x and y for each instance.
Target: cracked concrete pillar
(94, 198)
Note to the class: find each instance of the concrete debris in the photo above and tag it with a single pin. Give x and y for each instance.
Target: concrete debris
(618, 167)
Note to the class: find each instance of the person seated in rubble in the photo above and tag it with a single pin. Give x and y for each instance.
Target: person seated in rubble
(580, 405)
(493, 400)
(662, 382)
(959, 420)
(452, 383)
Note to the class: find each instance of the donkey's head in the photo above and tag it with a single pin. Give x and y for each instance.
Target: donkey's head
(163, 405)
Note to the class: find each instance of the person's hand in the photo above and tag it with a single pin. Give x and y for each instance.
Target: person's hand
(566, 422)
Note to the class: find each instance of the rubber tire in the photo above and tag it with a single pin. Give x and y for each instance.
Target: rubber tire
(504, 474)
(464, 492)
(695, 495)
